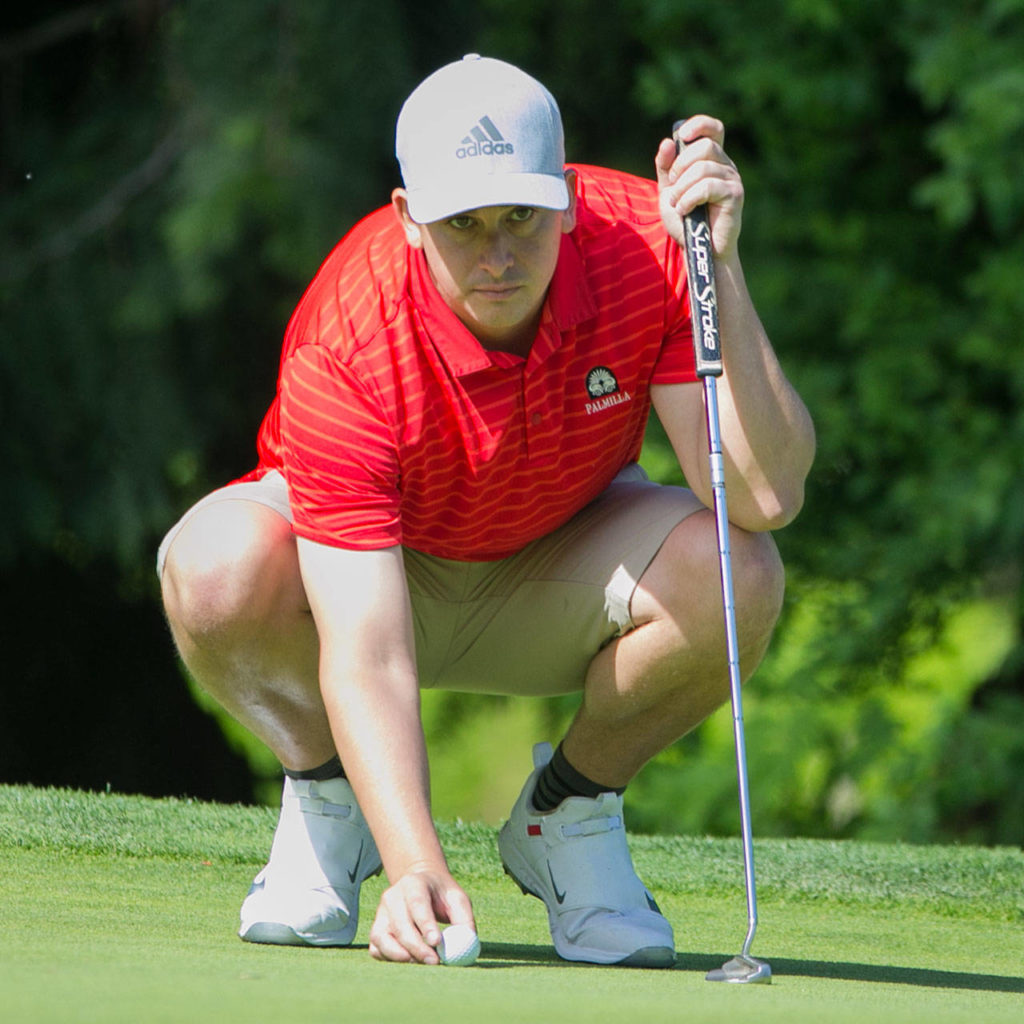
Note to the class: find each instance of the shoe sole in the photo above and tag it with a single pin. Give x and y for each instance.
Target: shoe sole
(649, 956)
(659, 957)
(272, 933)
(275, 933)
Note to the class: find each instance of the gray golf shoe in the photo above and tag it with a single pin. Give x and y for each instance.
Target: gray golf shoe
(308, 892)
(576, 860)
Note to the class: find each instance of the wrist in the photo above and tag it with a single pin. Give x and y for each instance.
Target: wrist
(400, 863)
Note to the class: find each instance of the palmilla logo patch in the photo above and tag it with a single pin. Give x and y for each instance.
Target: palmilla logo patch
(603, 387)
(601, 381)
(484, 140)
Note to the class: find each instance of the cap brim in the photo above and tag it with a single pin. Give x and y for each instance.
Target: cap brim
(547, 191)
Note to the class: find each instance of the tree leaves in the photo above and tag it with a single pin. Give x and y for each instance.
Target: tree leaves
(173, 174)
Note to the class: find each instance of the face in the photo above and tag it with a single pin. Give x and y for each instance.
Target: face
(492, 266)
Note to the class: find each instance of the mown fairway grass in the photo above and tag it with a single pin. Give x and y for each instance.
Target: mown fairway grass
(117, 909)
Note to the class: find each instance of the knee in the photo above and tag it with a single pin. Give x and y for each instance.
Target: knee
(759, 581)
(231, 569)
(685, 580)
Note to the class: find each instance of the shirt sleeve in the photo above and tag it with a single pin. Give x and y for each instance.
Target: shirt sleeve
(339, 454)
(676, 363)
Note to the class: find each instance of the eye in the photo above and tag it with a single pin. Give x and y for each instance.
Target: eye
(521, 214)
(461, 222)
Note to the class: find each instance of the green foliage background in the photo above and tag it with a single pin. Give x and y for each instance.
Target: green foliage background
(173, 173)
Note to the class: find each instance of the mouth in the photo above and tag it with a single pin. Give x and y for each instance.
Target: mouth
(497, 291)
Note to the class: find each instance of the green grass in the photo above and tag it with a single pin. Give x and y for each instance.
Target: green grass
(117, 908)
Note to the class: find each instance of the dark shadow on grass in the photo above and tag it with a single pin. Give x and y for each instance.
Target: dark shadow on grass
(492, 954)
(497, 955)
(878, 973)
(515, 954)
(512, 954)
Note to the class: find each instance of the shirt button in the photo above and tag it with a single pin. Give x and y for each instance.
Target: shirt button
(536, 419)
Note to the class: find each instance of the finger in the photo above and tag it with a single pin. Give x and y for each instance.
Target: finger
(415, 943)
(455, 907)
(423, 903)
(424, 933)
(663, 161)
(714, 185)
(386, 947)
(701, 126)
(696, 179)
(401, 927)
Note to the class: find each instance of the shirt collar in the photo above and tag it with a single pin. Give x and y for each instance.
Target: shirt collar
(569, 302)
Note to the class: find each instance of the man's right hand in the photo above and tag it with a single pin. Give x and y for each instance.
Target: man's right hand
(406, 928)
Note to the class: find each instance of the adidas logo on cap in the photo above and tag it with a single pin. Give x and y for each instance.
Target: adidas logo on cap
(484, 140)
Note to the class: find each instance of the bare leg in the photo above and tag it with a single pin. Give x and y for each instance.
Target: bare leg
(238, 613)
(237, 608)
(657, 682)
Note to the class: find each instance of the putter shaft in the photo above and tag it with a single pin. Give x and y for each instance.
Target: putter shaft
(732, 649)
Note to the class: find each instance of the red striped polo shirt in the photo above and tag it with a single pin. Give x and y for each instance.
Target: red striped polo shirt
(393, 425)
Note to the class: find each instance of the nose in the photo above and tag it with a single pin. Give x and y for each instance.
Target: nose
(496, 254)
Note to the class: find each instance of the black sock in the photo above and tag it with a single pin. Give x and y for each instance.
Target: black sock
(559, 780)
(328, 770)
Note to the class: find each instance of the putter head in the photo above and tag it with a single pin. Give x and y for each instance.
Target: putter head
(742, 970)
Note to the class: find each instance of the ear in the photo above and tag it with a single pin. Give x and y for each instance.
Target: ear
(400, 204)
(569, 215)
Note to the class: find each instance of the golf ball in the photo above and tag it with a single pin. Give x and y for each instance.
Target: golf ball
(460, 946)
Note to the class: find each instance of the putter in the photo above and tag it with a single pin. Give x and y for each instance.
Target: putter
(700, 272)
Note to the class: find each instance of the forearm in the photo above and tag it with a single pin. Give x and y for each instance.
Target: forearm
(767, 433)
(370, 689)
(375, 720)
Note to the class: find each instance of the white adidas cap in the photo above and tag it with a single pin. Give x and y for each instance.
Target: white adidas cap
(480, 132)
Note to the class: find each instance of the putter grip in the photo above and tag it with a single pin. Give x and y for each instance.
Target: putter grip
(700, 276)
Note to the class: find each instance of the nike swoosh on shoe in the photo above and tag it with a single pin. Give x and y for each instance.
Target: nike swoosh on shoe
(359, 856)
(559, 896)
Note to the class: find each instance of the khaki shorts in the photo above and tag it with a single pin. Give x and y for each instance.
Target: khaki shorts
(529, 624)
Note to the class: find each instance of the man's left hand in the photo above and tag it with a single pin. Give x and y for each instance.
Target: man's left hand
(701, 173)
